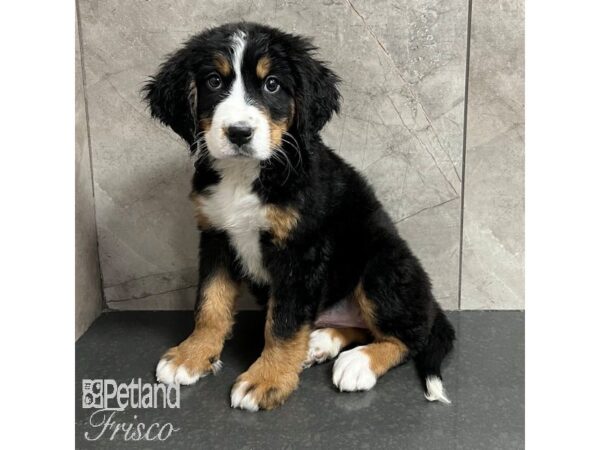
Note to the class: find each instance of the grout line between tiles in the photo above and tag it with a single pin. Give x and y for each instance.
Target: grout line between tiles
(89, 142)
(464, 156)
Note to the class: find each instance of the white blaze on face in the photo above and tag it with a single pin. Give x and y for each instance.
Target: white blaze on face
(236, 108)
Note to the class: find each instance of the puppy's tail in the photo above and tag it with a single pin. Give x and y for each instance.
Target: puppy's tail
(429, 359)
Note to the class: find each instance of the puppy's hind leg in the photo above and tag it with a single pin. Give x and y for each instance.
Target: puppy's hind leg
(399, 309)
(326, 343)
(359, 368)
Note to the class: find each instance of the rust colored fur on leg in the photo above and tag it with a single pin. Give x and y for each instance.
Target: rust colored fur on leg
(213, 323)
(387, 351)
(348, 336)
(383, 355)
(367, 310)
(275, 374)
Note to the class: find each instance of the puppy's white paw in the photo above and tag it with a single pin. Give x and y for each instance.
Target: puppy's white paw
(321, 347)
(352, 371)
(168, 372)
(241, 398)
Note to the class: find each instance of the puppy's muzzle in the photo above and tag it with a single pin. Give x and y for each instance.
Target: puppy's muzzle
(239, 133)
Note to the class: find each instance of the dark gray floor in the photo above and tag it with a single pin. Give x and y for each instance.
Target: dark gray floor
(484, 378)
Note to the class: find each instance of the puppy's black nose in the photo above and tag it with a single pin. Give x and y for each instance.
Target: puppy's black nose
(239, 133)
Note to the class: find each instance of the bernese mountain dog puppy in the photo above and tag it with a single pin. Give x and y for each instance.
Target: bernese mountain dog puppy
(280, 211)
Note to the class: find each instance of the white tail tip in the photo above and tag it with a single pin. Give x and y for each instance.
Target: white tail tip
(435, 390)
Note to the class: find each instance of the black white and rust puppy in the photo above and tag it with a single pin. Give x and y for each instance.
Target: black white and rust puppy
(281, 211)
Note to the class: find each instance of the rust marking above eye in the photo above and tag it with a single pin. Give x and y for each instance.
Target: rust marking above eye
(222, 64)
(263, 67)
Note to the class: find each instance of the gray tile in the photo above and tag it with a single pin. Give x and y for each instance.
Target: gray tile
(88, 295)
(401, 124)
(493, 252)
(164, 291)
(484, 377)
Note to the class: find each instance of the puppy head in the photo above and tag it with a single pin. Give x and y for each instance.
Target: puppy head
(236, 90)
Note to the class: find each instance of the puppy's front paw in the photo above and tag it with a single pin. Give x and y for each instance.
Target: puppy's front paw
(352, 371)
(322, 345)
(254, 390)
(186, 363)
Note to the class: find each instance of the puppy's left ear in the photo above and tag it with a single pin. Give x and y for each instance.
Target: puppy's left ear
(318, 97)
(171, 94)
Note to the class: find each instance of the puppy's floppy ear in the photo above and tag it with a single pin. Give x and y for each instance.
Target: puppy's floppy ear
(318, 97)
(171, 94)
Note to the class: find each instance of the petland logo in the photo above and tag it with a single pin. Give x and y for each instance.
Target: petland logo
(110, 399)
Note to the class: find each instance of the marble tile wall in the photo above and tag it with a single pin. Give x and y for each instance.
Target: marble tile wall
(402, 123)
(493, 236)
(88, 289)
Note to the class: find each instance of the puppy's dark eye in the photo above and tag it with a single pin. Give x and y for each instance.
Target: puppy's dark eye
(214, 82)
(272, 85)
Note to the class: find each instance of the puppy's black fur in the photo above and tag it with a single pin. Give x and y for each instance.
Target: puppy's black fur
(343, 238)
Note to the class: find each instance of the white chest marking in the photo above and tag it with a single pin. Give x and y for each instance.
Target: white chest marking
(232, 206)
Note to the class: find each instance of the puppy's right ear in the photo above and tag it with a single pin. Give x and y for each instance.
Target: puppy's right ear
(171, 94)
